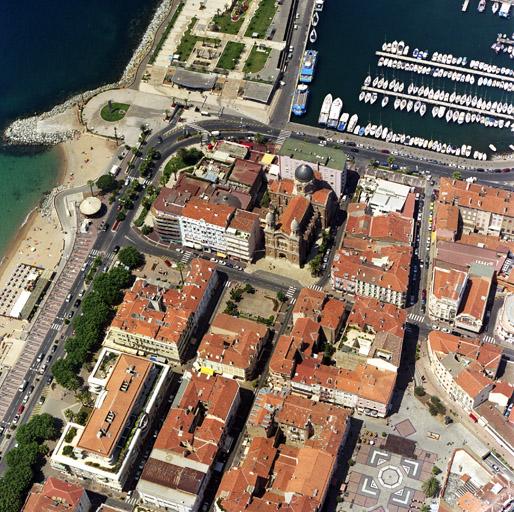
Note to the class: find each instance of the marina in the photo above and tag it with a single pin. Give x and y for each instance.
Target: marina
(471, 104)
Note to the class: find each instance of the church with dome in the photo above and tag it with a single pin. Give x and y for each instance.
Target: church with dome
(299, 209)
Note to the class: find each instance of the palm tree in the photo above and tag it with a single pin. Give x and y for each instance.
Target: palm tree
(431, 487)
(91, 183)
(180, 268)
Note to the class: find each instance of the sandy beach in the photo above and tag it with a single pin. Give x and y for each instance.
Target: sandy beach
(40, 240)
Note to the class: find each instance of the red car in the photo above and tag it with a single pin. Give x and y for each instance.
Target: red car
(21, 408)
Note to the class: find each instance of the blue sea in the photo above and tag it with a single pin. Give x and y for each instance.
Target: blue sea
(52, 50)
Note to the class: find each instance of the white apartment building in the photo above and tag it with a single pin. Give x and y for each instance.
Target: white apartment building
(446, 292)
(129, 391)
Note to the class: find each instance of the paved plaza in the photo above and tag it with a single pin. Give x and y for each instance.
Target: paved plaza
(388, 476)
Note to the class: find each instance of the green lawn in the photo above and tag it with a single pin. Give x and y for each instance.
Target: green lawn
(114, 112)
(225, 24)
(188, 41)
(262, 18)
(231, 55)
(257, 59)
(166, 33)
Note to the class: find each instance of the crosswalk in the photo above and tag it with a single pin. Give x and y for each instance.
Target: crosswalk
(283, 136)
(488, 339)
(227, 284)
(316, 287)
(132, 500)
(416, 318)
(56, 326)
(290, 292)
(186, 257)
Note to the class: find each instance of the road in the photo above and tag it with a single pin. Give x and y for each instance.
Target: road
(168, 141)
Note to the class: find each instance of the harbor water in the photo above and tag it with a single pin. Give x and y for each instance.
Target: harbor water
(50, 51)
(360, 29)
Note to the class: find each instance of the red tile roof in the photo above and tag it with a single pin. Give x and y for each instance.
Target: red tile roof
(309, 303)
(477, 196)
(296, 209)
(365, 381)
(472, 382)
(448, 283)
(370, 314)
(486, 354)
(182, 433)
(215, 214)
(54, 495)
(387, 267)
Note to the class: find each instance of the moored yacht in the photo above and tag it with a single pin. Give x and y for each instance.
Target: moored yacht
(325, 109)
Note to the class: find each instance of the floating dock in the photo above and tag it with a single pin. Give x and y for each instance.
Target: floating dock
(439, 102)
(461, 69)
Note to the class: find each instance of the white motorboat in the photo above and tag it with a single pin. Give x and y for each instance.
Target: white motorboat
(492, 147)
(315, 19)
(385, 101)
(362, 94)
(422, 109)
(325, 109)
(410, 104)
(374, 97)
(397, 102)
(367, 81)
(352, 122)
(335, 112)
(313, 36)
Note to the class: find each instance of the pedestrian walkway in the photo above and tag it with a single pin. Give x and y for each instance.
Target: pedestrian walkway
(316, 287)
(283, 136)
(413, 318)
(186, 257)
(486, 338)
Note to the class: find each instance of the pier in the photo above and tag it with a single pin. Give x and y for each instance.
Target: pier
(465, 5)
(451, 67)
(446, 104)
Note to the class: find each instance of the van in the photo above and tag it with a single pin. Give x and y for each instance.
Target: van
(23, 385)
(68, 297)
(215, 133)
(114, 170)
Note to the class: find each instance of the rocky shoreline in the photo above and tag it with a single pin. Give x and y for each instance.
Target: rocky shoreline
(31, 130)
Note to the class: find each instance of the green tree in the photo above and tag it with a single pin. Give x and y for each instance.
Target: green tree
(190, 156)
(249, 289)
(121, 216)
(146, 230)
(26, 454)
(281, 296)
(315, 264)
(431, 487)
(10, 497)
(65, 375)
(93, 306)
(106, 183)
(419, 391)
(425, 508)
(68, 451)
(38, 429)
(236, 294)
(131, 257)
(456, 175)
(436, 471)
(231, 308)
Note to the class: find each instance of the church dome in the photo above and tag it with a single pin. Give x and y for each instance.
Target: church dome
(295, 226)
(304, 173)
